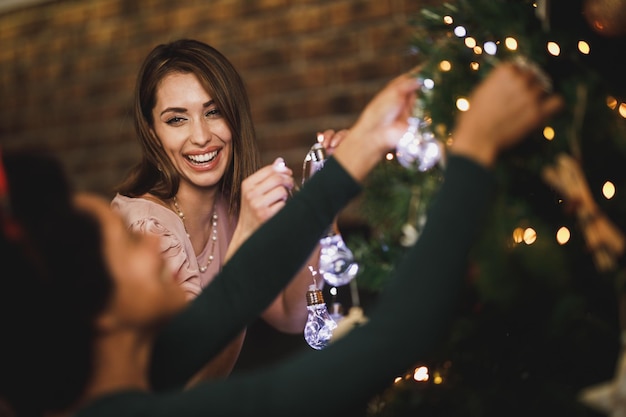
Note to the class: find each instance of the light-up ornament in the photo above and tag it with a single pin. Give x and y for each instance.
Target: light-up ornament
(418, 149)
(336, 262)
(319, 327)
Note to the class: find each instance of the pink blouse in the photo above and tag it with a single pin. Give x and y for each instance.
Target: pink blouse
(146, 216)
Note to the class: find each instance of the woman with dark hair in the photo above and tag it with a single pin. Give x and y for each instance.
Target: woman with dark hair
(102, 335)
(200, 186)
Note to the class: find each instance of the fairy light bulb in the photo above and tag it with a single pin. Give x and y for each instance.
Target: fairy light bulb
(336, 263)
(418, 149)
(319, 327)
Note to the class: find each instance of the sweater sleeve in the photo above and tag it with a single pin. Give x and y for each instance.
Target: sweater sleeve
(413, 313)
(252, 278)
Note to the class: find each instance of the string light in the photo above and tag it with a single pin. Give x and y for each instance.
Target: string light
(608, 190)
(490, 48)
(527, 235)
(445, 66)
(530, 236)
(510, 43)
(563, 235)
(548, 133)
(584, 47)
(554, 48)
(421, 374)
(462, 104)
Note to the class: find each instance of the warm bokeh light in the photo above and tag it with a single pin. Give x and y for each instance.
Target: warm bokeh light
(470, 42)
(518, 235)
(554, 48)
(622, 110)
(563, 235)
(445, 66)
(478, 50)
(611, 102)
(421, 374)
(548, 133)
(462, 104)
(583, 47)
(510, 43)
(608, 190)
(530, 236)
(397, 380)
(474, 66)
(437, 378)
(389, 156)
(448, 20)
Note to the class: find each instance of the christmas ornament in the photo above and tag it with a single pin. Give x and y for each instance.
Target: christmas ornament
(606, 17)
(418, 149)
(336, 262)
(319, 327)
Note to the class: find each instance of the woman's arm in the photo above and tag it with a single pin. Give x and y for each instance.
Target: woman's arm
(252, 278)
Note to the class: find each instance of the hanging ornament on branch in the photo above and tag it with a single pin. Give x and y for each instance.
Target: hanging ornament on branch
(418, 149)
(319, 327)
(336, 264)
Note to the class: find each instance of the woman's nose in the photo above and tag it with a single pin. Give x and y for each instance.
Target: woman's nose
(201, 134)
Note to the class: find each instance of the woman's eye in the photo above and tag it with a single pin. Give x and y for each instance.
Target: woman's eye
(213, 113)
(174, 120)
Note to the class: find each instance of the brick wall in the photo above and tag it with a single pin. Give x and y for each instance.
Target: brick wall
(68, 68)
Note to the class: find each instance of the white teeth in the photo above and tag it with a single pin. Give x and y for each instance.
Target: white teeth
(202, 158)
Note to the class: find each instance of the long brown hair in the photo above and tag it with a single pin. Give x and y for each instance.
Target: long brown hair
(154, 173)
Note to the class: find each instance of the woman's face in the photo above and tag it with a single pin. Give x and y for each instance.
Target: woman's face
(145, 292)
(191, 130)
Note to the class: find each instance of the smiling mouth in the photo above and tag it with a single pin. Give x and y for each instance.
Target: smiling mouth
(203, 158)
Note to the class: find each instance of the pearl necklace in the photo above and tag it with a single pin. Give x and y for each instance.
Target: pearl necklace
(213, 233)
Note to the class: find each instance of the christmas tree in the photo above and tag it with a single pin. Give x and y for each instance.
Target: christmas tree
(539, 320)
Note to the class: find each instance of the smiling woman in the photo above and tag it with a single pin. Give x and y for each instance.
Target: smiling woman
(200, 186)
(129, 341)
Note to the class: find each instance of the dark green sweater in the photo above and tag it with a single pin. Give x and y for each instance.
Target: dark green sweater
(412, 314)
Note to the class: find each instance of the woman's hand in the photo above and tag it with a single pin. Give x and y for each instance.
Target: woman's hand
(504, 108)
(331, 138)
(263, 194)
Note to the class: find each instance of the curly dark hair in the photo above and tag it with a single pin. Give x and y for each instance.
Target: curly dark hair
(53, 285)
